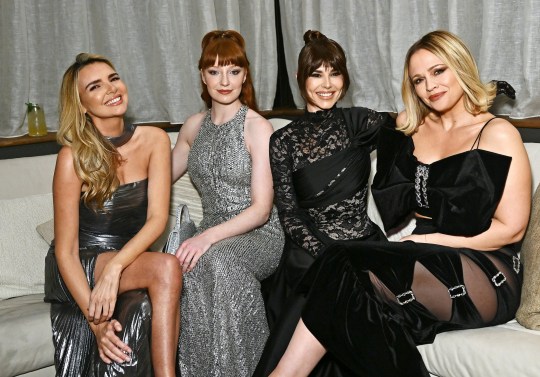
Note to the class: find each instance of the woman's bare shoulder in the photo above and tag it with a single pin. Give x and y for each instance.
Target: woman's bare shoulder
(401, 118)
(151, 136)
(195, 119)
(256, 120)
(500, 136)
(190, 128)
(64, 170)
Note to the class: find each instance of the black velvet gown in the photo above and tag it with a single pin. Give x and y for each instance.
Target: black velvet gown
(371, 303)
(75, 344)
(320, 167)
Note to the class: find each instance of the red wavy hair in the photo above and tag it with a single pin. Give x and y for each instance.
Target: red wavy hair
(229, 48)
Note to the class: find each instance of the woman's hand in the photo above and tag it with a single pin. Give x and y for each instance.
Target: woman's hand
(110, 346)
(104, 295)
(191, 250)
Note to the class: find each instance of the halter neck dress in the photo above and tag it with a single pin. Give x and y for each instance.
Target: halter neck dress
(223, 320)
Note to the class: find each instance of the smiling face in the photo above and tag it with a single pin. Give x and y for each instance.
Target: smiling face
(434, 82)
(224, 83)
(102, 93)
(323, 88)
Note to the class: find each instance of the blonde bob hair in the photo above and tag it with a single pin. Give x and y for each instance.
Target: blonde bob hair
(453, 52)
(95, 159)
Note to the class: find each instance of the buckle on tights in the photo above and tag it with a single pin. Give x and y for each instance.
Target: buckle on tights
(457, 291)
(405, 297)
(498, 279)
(516, 264)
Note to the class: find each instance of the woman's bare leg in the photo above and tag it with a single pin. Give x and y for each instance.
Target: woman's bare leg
(302, 354)
(161, 275)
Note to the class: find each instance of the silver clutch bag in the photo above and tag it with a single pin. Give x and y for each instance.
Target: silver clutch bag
(184, 228)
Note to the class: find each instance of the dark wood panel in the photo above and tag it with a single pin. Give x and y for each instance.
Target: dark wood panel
(529, 123)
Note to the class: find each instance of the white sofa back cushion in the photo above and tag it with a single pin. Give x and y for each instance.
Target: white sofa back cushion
(26, 176)
(22, 250)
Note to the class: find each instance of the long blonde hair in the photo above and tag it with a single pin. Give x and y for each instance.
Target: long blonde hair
(95, 159)
(448, 47)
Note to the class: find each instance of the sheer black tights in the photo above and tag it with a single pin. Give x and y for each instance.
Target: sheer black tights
(434, 296)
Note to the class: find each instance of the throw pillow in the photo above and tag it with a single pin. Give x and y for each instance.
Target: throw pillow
(22, 250)
(46, 231)
(528, 314)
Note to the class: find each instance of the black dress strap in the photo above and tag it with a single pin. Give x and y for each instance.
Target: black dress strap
(477, 140)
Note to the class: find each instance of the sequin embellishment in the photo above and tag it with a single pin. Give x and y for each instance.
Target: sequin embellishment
(420, 185)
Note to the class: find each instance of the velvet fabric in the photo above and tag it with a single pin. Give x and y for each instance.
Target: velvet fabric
(472, 179)
(361, 301)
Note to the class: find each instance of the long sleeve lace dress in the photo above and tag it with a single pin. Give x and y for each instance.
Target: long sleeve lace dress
(320, 167)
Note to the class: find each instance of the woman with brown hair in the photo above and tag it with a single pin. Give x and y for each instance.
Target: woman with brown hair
(464, 174)
(110, 205)
(239, 240)
(320, 167)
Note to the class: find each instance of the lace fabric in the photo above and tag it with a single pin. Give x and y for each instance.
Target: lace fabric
(306, 141)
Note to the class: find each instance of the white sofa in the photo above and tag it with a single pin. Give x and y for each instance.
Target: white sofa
(25, 330)
(26, 347)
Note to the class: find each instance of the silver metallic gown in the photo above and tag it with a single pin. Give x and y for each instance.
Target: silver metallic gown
(224, 325)
(75, 344)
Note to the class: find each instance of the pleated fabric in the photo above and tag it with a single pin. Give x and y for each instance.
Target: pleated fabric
(101, 231)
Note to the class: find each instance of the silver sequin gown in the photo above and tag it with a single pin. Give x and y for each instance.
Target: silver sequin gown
(224, 325)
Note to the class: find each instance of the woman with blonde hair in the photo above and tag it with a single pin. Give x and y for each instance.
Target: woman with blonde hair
(239, 240)
(464, 174)
(114, 306)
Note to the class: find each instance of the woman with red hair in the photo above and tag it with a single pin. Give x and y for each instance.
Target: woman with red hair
(239, 240)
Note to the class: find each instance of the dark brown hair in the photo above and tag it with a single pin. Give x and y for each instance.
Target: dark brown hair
(320, 50)
(229, 47)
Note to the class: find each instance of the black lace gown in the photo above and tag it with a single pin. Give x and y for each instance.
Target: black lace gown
(320, 167)
(371, 303)
(75, 344)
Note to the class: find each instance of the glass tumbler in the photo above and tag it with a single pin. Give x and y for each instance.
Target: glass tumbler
(36, 120)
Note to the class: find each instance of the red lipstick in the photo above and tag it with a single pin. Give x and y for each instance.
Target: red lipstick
(436, 96)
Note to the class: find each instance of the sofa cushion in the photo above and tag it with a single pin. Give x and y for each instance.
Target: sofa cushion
(25, 325)
(22, 250)
(26, 176)
(533, 151)
(499, 351)
(528, 313)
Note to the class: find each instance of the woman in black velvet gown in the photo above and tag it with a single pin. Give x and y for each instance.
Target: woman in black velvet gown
(320, 168)
(111, 193)
(465, 175)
